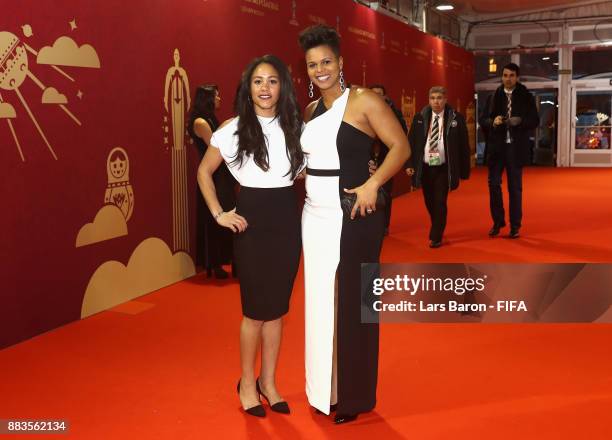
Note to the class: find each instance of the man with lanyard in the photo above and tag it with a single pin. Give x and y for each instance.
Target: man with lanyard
(440, 157)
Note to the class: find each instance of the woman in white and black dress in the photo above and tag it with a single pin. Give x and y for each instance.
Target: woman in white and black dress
(342, 356)
(261, 147)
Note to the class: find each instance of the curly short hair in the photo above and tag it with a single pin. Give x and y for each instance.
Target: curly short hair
(319, 35)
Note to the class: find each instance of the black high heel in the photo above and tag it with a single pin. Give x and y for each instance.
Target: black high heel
(258, 410)
(279, 407)
(344, 418)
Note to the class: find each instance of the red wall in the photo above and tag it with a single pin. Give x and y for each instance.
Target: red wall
(46, 201)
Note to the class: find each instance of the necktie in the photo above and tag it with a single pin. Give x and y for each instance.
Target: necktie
(509, 115)
(509, 108)
(435, 135)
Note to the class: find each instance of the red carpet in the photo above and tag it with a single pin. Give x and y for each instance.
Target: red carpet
(165, 366)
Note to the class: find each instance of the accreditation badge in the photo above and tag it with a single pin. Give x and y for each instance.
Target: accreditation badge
(435, 159)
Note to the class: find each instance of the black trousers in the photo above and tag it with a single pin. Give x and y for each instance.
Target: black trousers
(434, 181)
(514, 173)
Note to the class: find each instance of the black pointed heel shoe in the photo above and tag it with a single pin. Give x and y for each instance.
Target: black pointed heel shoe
(258, 410)
(279, 407)
(344, 418)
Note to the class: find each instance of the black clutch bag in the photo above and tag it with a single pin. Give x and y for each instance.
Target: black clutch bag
(347, 201)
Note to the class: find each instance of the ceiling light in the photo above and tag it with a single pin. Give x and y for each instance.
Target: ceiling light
(444, 7)
(545, 58)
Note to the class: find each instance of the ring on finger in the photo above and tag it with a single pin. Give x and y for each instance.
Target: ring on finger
(369, 211)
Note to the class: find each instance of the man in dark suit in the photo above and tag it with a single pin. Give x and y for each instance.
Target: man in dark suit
(440, 157)
(511, 116)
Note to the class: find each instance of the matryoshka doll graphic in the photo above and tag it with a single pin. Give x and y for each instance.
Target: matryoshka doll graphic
(119, 191)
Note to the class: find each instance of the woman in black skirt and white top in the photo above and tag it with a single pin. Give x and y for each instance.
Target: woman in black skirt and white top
(261, 148)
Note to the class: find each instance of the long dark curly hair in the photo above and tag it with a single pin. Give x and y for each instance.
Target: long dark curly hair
(251, 139)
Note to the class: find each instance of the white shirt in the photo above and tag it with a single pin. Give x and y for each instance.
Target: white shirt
(249, 174)
(440, 137)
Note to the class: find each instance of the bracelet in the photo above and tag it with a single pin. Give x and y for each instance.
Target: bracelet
(218, 214)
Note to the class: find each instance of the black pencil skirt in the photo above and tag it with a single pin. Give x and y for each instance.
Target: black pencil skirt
(268, 252)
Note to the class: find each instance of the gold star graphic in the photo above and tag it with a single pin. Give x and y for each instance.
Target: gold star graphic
(165, 140)
(73, 24)
(80, 95)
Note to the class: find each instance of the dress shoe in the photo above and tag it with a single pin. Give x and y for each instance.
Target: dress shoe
(344, 418)
(257, 410)
(514, 232)
(279, 407)
(332, 408)
(435, 243)
(494, 231)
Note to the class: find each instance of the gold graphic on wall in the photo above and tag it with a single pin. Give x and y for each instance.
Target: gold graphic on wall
(317, 19)
(66, 52)
(408, 107)
(151, 266)
(109, 223)
(363, 36)
(177, 103)
(15, 68)
(396, 46)
(52, 96)
(119, 191)
(293, 20)
(27, 30)
(266, 5)
(72, 24)
(420, 54)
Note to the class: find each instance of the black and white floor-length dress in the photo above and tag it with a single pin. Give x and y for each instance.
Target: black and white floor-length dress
(268, 251)
(337, 157)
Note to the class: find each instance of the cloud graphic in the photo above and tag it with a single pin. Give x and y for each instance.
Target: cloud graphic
(606, 316)
(7, 111)
(109, 223)
(151, 267)
(52, 96)
(66, 52)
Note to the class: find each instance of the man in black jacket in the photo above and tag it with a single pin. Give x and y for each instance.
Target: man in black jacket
(440, 157)
(511, 117)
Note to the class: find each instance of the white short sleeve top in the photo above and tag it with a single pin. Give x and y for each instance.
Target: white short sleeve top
(249, 174)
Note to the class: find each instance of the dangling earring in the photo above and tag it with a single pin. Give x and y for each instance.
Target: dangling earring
(342, 84)
(310, 90)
